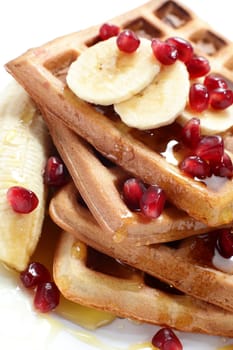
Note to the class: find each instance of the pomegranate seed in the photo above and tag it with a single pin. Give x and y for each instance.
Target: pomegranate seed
(34, 274)
(164, 52)
(224, 168)
(46, 297)
(55, 173)
(22, 200)
(191, 133)
(197, 66)
(133, 190)
(108, 30)
(194, 166)
(210, 148)
(224, 243)
(214, 81)
(184, 48)
(127, 41)
(152, 202)
(221, 98)
(165, 339)
(198, 97)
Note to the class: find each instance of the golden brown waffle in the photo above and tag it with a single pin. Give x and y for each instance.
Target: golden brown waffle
(42, 72)
(187, 266)
(101, 188)
(86, 276)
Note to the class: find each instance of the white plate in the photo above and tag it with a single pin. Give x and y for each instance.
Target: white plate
(25, 24)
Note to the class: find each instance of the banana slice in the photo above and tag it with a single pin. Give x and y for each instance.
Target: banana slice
(24, 147)
(212, 121)
(104, 75)
(160, 103)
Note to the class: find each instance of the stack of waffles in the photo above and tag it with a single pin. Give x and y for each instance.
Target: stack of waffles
(165, 270)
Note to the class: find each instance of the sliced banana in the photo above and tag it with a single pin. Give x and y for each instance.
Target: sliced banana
(24, 148)
(160, 103)
(104, 75)
(212, 121)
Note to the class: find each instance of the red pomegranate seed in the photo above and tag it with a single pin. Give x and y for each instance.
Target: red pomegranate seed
(224, 168)
(133, 190)
(22, 200)
(224, 243)
(198, 97)
(55, 173)
(166, 339)
(191, 133)
(221, 98)
(34, 274)
(197, 66)
(210, 148)
(108, 30)
(127, 41)
(164, 52)
(194, 166)
(184, 48)
(46, 297)
(214, 81)
(152, 202)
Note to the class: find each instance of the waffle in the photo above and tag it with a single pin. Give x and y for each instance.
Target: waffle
(89, 277)
(187, 265)
(100, 184)
(42, 72)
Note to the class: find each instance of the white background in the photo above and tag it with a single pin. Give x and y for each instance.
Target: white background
(29, 23)
(25, 24)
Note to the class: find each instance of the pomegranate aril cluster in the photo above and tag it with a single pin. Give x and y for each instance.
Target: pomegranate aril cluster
(172, 49)
(213, 92)
(150, 201)
(175, 48)
(47, 295)
(207, 154)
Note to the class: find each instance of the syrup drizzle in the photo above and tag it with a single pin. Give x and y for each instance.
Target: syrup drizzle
(84, 316)
(227, 347)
